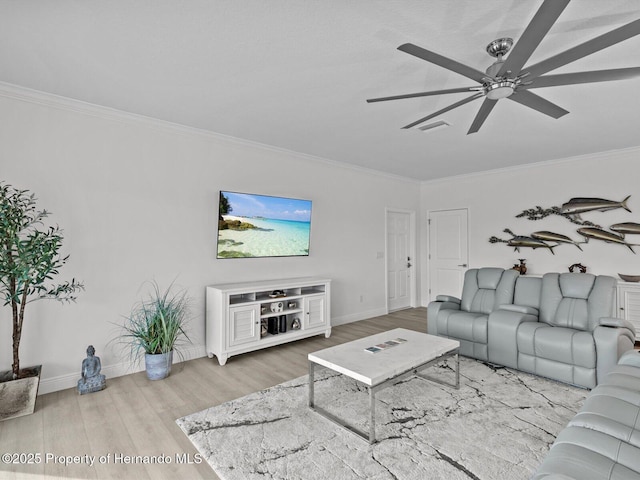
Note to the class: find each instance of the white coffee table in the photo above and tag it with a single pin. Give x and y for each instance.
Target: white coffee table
(383, 368)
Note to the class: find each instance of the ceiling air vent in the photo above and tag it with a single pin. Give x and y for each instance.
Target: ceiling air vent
(429, 127)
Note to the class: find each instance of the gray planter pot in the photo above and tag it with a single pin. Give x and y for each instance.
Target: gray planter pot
(18, 397)
(158, 366)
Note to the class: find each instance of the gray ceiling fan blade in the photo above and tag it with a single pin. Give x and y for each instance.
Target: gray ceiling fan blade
(587, 48)
(423, 94)
(531, 100)
(446, 109)
(539, 26)
(481, 116)
(584, 77)
(444, 62)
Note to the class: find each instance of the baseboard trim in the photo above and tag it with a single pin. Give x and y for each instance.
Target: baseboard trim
(62, 382)
(356, 317)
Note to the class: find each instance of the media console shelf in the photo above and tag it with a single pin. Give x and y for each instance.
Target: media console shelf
(243, 317)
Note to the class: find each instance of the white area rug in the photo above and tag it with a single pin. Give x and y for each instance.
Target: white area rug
(499, 425)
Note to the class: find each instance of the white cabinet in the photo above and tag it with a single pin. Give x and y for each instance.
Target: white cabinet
(242, 317)
(629, 304)
(314, 312)
(244, 325)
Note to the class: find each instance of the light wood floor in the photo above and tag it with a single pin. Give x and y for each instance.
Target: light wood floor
(134, 416)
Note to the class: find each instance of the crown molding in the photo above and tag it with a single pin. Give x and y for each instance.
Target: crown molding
(527, 166)
(51, 100)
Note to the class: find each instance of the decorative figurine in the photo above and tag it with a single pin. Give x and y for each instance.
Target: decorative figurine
(579, 266)
(295, 325)
(91, 379)
(522, 268)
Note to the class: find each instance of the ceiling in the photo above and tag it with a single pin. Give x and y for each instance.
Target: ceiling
(295, 74)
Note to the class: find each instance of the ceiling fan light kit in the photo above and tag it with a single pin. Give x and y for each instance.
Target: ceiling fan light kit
(510, 78)
(501, 89)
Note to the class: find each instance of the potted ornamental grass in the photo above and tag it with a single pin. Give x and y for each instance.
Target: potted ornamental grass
(155, 328)
(29, 260)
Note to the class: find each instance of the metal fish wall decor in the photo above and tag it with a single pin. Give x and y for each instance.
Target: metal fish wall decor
(599, 234)
(572, 211)
(555, 237)
(579, 205)
(626, 228)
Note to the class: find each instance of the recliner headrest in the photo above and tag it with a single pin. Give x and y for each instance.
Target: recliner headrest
(576, 285)
(489, 278)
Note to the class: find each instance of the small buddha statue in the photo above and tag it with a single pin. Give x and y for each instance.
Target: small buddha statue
(91, 379)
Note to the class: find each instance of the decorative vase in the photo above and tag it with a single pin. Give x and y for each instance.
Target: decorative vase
(158, 365)
(18, 397)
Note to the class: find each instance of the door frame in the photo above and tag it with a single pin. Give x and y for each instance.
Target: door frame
(428, 239)
(412, 249)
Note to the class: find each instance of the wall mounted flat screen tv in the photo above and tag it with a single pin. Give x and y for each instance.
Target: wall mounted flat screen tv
(252, 225)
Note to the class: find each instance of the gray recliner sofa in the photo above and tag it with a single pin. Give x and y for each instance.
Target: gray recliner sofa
(466, 319)
(575, 339)
(557, 326)
(602, 441)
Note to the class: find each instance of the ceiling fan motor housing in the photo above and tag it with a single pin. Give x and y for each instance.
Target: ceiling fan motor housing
(501, 87)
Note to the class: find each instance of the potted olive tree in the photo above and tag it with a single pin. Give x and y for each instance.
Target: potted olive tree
(155, 328)
(29, 259)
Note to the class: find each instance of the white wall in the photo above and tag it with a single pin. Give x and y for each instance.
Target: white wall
(137, 200)
(495, 198)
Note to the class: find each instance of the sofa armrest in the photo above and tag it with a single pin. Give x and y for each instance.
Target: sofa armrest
(447, 298)
(617, 322)
(434, 308)
(630, 357)
(519, 309)
(611, 344)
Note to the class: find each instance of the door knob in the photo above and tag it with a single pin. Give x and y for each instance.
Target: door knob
(408, 265)
(463, 265)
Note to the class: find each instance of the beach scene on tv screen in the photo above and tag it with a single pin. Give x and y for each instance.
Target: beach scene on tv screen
(252, 225)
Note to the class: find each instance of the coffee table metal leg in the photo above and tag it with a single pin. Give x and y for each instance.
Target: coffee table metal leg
(370, 437)
(311, 380)
(419, 374)
(372, 415)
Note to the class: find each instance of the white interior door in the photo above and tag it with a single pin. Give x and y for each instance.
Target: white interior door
(448, 252)
(400, 261)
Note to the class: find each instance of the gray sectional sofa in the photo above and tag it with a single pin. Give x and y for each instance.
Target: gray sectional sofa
(558, 326)
(602, 441)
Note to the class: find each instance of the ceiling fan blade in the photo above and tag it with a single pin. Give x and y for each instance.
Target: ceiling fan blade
(587, 48)
(539, 26)
(481, 116)
(584, 77)
(531, 100)
(446, 109)
(423, 94)
(444, 62)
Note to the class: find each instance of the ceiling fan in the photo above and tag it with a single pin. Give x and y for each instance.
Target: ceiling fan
(508, 78)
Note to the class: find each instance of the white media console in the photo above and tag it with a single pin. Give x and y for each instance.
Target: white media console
(242, 317)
